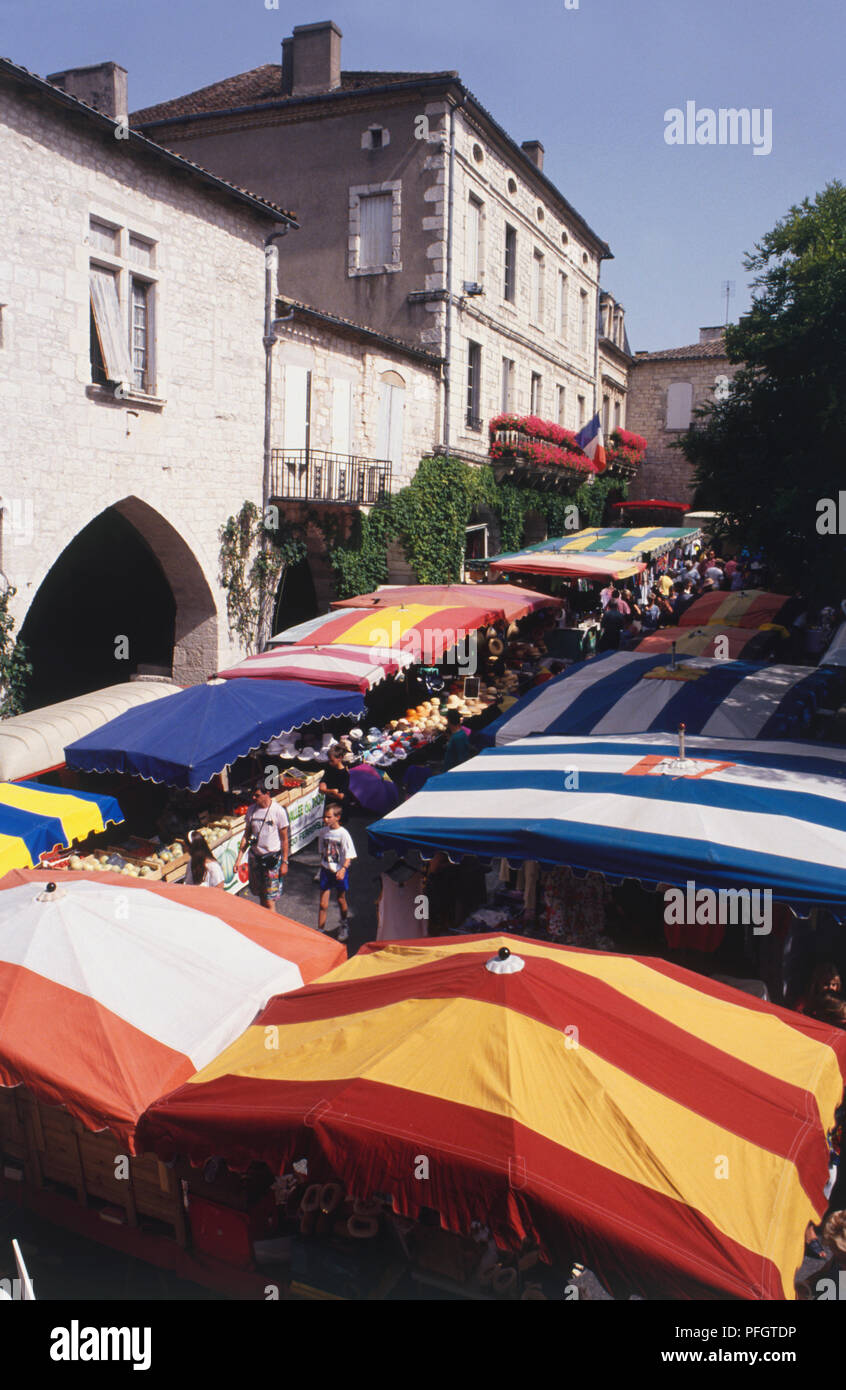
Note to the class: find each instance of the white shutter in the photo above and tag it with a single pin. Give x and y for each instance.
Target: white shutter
(376, 213)
(471, 273)
(110, 328)
(296, 407)
(341, 416)
(395, 436)
(679, 405)
(391, 410)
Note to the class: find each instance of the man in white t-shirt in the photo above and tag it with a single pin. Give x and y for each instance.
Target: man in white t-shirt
(266, 838)
(337, 851)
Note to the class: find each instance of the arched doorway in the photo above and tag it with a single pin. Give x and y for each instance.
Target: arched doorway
(126, 595)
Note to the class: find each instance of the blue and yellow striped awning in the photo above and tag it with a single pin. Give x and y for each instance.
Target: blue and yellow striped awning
(35, 819)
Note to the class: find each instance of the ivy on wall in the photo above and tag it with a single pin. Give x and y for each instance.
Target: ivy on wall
(15, 670)
(255, 550)
(430, 515)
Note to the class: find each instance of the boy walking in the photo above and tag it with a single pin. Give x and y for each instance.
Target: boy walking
(336, 853)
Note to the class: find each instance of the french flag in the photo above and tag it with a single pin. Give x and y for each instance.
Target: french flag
(591, 442)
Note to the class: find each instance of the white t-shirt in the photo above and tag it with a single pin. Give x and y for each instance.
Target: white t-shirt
(268, 825)
(714, 572)
(336, 847)
(212, 878)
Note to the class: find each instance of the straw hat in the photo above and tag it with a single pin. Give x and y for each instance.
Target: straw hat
(496, 646)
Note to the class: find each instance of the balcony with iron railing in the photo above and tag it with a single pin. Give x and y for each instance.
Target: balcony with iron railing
(313, 475)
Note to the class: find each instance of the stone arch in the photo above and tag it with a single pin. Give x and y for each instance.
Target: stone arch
(126, 594)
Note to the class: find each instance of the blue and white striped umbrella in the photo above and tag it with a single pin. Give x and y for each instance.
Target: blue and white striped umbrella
(624, 807)
(626, 693)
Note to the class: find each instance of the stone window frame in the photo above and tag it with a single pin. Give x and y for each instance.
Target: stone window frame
(364, 190)
(125, 269)
(367, 137)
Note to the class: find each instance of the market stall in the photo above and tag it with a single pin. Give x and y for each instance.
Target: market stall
(111, 994)
(194, 737)
(373, 1107)
(34, 743)
(350, 668)
(631, 808)
(632, 692)
(493, 602)
(746, 608)
(36, 820)
(725, 643)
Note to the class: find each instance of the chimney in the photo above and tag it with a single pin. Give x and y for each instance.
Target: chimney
(316, 58)
(534, 149)
(711, 335)
(102, 86)
(287, 67)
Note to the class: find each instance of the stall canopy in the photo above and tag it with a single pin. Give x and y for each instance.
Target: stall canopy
(630, 693)
(496, 602)
(754, 608)
(571, 1098)
(188, 738)
(35, 819)
(624, 807)
(425, 631)
(651, 504)
(111, 995)
(35, 742)
(732, 643)
(627, 540)
(568, 566)
(351, 668)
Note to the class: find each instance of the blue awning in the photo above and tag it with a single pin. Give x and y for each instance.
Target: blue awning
(627, 808)
(188, 738)
(635, 692)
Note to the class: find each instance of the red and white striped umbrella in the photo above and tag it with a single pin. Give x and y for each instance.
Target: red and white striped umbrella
(113, 991)
(352, 668)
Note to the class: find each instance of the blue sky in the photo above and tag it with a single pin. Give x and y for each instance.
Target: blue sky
(591, 83)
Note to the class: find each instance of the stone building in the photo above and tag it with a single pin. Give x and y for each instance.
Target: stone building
(132, 371)
(665, 388)
(615, 361)
(420, 217)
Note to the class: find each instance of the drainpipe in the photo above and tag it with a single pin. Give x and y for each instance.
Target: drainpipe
(450, 222)
(271, 268)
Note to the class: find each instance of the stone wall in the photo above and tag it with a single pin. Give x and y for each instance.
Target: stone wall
(665, 473)
(176, 463)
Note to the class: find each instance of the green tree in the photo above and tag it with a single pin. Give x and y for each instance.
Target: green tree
(770, 454)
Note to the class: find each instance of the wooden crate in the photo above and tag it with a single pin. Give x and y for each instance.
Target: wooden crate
(55, 1148)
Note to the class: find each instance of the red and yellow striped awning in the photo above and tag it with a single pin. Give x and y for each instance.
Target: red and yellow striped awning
(663, 1128)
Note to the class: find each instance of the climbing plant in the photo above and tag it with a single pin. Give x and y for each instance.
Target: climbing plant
(15, 670)
(430, 515)
(255, 551)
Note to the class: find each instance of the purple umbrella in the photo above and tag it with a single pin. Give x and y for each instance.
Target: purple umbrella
(372, 790)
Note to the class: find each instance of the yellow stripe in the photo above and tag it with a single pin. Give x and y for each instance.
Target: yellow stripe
(13, 854)
(585, 1104)
(78, 817)
(760, 1040)
(378, 630)
(579, 542)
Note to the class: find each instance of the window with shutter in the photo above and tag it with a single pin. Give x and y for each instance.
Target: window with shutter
(109, 325)
(473, 260)
(376, 215)
(295, 424)
(341, 416)
(391, 411)
(510, 288)
(679, 405)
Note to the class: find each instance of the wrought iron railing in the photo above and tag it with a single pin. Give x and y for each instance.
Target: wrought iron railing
(316, 476)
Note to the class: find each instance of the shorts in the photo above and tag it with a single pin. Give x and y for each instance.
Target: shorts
(264, 876)
(329, 879)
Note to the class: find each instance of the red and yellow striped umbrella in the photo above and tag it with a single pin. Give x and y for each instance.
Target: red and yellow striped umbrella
(663, 1128)
(745, 608)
